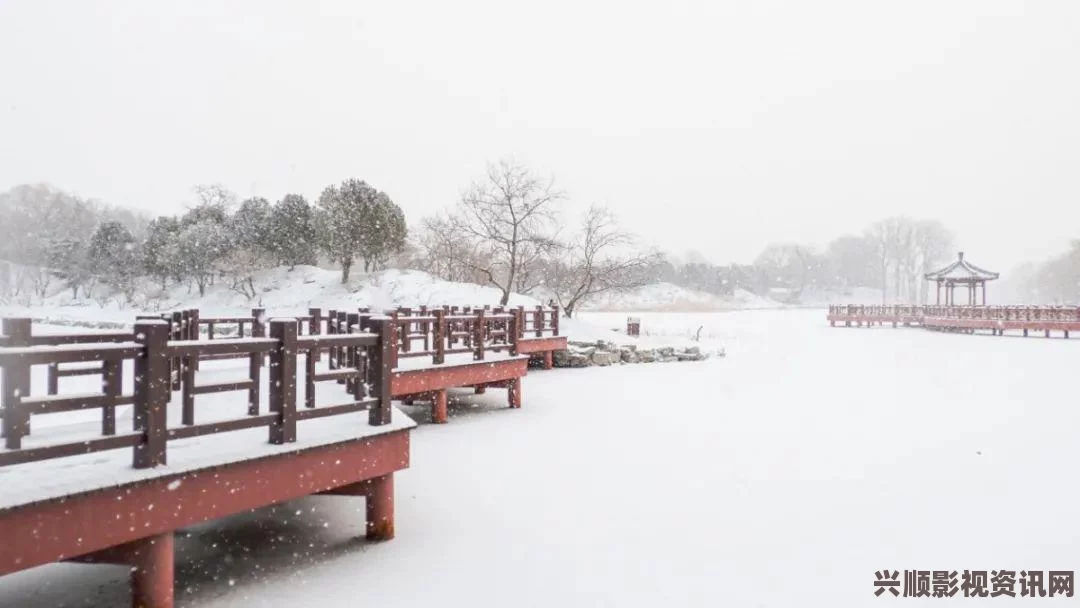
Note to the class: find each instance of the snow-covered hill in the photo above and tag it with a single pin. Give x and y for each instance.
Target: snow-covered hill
(279, 291)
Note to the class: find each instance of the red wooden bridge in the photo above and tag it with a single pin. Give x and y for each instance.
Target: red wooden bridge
(226, 414)
(966, 319)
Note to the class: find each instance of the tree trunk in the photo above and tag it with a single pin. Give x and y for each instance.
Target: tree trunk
(568, 310)
(346, 266)
(505, 299)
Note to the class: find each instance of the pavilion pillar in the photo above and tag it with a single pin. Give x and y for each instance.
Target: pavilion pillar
(938, 292)
(984, 292)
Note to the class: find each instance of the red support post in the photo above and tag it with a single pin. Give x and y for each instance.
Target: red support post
(380, 508)
(514, 392)
(152, 568)
(439, 407)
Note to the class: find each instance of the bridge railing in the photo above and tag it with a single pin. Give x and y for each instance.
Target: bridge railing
(875, 310)
(990, 313)
(150, 351)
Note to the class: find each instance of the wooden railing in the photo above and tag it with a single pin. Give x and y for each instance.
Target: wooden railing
(992, 313)
(414, 337)
(435, 333)
(151, 350)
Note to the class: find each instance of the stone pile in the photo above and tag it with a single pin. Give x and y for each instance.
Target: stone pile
(603, 353)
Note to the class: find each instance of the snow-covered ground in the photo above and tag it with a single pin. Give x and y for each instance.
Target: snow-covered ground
(785, 474)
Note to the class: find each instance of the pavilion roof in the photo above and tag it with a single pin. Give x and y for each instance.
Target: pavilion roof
(961, 271)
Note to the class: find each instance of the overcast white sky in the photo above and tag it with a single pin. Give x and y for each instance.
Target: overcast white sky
(717, 126)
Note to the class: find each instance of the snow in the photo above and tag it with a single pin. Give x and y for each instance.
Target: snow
(782, 475)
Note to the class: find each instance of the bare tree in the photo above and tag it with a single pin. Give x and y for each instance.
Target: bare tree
(445, 253)
(599, 259)
(509, 215)
(933, 243)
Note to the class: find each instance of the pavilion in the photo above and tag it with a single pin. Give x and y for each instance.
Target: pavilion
(961, 272)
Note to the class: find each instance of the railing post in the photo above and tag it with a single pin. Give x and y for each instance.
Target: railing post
(315, 329)
(512, 331)
(521, 321)
(381, 366)
(16, 380)
(258, 323)
(438, 336)
(52, 379)
(351, 359)
(331, 354)
(283, 381)
(112, 380)
(555, 319)
(538, 321)
(478, 336)
(151, 392)
(255, 361)
(193, 330)
(177, 331)
(342, 328)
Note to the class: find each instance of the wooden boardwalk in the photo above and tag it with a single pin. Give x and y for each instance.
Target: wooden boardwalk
(196, 418)
(964, 319)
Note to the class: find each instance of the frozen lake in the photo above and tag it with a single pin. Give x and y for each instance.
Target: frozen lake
(785, 474)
